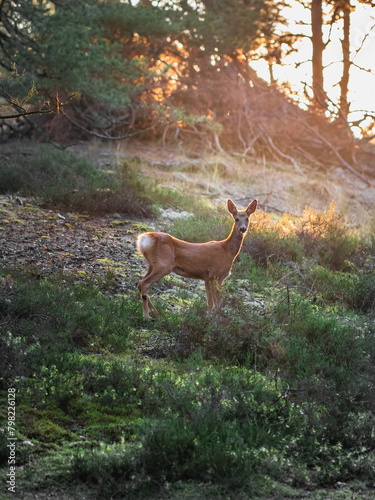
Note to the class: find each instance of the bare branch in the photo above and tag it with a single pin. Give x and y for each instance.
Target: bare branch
(40, 111)
(367, 70)
(367, 35)
(106, 136)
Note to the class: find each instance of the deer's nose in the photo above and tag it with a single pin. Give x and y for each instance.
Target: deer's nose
(243, 229)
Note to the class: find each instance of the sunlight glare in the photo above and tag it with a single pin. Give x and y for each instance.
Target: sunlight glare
(296, 68)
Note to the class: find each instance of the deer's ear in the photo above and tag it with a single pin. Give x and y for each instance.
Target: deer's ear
(251, 207)
(232, 207)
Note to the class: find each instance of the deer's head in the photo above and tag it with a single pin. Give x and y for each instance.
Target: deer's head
(241, 217)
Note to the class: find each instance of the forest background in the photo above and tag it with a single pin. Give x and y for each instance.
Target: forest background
(123, 116)
(186, 69)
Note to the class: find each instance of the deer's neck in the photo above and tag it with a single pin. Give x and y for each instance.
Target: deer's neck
(234, 242)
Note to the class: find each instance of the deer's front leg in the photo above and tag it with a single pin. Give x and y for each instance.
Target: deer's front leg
(209, 294)
(212, 291)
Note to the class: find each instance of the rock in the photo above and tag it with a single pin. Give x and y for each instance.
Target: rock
(170, 214)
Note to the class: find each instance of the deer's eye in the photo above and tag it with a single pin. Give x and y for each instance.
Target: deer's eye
(237, 219)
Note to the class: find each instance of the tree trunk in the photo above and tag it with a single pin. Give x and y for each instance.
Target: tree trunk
(320, 100)
(344, 82)
(349, 150)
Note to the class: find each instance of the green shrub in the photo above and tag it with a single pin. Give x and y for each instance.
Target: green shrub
(361, 295)
(213, 425)
(63, 180)
(326, 354)
(4, 450)
(47, 172)
(354, 290)
(75, 316)
(268, 246)
(246, 272)
(204, 450)
(103, 467)
(322, 237)
(326, 237)
(113, 384)
(232, 334)
(330, 287)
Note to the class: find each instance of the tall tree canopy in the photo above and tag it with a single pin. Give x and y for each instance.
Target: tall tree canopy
(171, 66)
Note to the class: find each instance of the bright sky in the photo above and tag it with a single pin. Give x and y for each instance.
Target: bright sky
(362, 39)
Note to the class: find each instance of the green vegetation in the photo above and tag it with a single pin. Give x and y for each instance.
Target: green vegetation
(104, 51)
(270, 397)
(62, 180)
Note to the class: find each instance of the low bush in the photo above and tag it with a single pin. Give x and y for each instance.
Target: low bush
(45, 319)
(234, 334)
(215, 429)
(361, 295)
(47, 172)
(270, 247)
(65, 181)
(326, 238)
(329, 355)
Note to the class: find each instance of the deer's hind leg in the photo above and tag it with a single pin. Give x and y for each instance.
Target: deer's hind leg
(160, 259)
(146, 301)
(152, 276)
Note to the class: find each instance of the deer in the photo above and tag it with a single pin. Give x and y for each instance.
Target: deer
(210, 262)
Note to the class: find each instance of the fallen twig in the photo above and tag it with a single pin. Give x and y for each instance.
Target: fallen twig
(283, 155)
(332, 148)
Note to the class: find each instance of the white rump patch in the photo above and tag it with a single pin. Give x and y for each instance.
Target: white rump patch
(144, 242)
